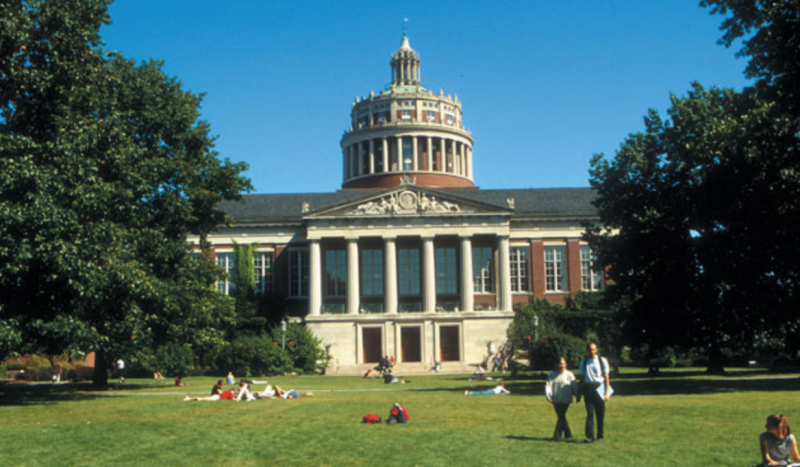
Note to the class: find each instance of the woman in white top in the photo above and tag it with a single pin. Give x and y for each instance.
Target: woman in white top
(559, 390)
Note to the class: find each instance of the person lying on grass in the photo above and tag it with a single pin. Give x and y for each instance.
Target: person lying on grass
(244, 392)
(290, 394)
(778, 443)
(217, 394)
(499, 389)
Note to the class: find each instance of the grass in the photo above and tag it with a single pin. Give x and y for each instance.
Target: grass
(677, 419)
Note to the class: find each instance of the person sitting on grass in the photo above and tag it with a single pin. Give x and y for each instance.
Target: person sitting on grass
(480, 373)
(158, 376)
(389, 378)
(778, 443)
(179, 381)
(398, 414)
(499, 389)
(244, 392)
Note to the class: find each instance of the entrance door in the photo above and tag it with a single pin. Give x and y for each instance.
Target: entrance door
(449, 348)
(372, 344)
(410, 344)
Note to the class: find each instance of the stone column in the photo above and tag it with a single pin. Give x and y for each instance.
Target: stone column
(385, 154)
(399, 153)
(453, 149)
(430, 154)
(429, 276)
(344, 164)
(443, 160)
(390, 276)
(414, 153)
(505, 275)
(315, 279)
(469, 162)
(467, 294)
(360, 167)
(371, 156)
(352, 276)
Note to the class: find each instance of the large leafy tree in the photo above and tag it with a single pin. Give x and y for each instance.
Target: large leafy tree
(700, 213)
(105, 168)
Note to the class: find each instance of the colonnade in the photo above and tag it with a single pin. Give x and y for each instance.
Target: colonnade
(428, 154)
(429, 296)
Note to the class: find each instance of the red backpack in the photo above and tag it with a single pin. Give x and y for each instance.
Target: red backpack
(370, 419)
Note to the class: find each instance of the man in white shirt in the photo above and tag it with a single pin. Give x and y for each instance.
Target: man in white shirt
(595, 382)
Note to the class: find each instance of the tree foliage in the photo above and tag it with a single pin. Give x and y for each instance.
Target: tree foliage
(105, 168)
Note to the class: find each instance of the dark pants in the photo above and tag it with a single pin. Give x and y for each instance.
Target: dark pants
(562, 425)
(594, 405)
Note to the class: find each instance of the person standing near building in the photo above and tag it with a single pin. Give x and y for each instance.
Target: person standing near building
(595, 389)
(558, 391)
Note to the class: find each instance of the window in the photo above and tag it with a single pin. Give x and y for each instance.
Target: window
(372, 273)
(262, 261)
(408, 155)
(482, 266)
(335, 273)
(446, 271)
(430, 115)
(519, 269)
(408, 272)
(406, 115)
(298, 273)
(226, 261)
(591, 275)
(555, 279)
(449, 119)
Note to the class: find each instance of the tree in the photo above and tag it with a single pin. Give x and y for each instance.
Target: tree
(700, 221)
(771, 33)
(105, 169)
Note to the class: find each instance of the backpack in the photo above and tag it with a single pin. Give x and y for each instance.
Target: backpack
(370, 419)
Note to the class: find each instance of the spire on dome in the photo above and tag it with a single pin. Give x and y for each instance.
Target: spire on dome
(405, 64)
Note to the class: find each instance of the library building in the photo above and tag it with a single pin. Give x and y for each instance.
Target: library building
(410, 259)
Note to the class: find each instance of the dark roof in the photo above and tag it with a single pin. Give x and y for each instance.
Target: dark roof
(287, 207)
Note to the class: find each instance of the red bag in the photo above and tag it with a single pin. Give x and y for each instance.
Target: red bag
(370, 419)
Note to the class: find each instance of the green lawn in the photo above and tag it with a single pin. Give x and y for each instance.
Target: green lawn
(678, 419)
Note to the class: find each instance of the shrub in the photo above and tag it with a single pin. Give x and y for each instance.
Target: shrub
(174, 359)
(304, 349)
(545, 352)
(254, 355)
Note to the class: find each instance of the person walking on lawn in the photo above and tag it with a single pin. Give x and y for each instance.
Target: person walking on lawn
(595, 389)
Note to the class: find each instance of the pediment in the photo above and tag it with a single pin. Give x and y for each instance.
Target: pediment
(409, 200)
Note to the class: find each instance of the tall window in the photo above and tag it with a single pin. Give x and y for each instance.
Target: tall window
(262, 261)
(554, 269)
(406, 115)
(446, 271)
(298, 273)
(408, 155)
(408, 272)
(335, 273)
(591, 275)
(482, 267)
(226, 261)
(519, 269)
(430, 115)
(372, 273)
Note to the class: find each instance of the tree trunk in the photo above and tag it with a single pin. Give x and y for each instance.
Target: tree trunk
(715, 365)
(100, 373)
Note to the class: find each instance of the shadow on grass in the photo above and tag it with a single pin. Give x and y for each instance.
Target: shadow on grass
(529, 438)
(664, 386)
(45, 393)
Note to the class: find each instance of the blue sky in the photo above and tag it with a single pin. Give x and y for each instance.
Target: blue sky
(544, 84)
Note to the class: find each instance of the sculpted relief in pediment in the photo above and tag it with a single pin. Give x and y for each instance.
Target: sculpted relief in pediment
(406, 202)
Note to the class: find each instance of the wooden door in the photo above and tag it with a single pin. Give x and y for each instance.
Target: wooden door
(449, 348)
(410, 344)
(372, 342)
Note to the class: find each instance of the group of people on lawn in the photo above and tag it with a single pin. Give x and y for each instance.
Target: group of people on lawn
(243, 392)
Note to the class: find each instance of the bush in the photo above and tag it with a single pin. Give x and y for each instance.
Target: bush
(174, 359)
(304, 349)
(545, 352)
(254, 356)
